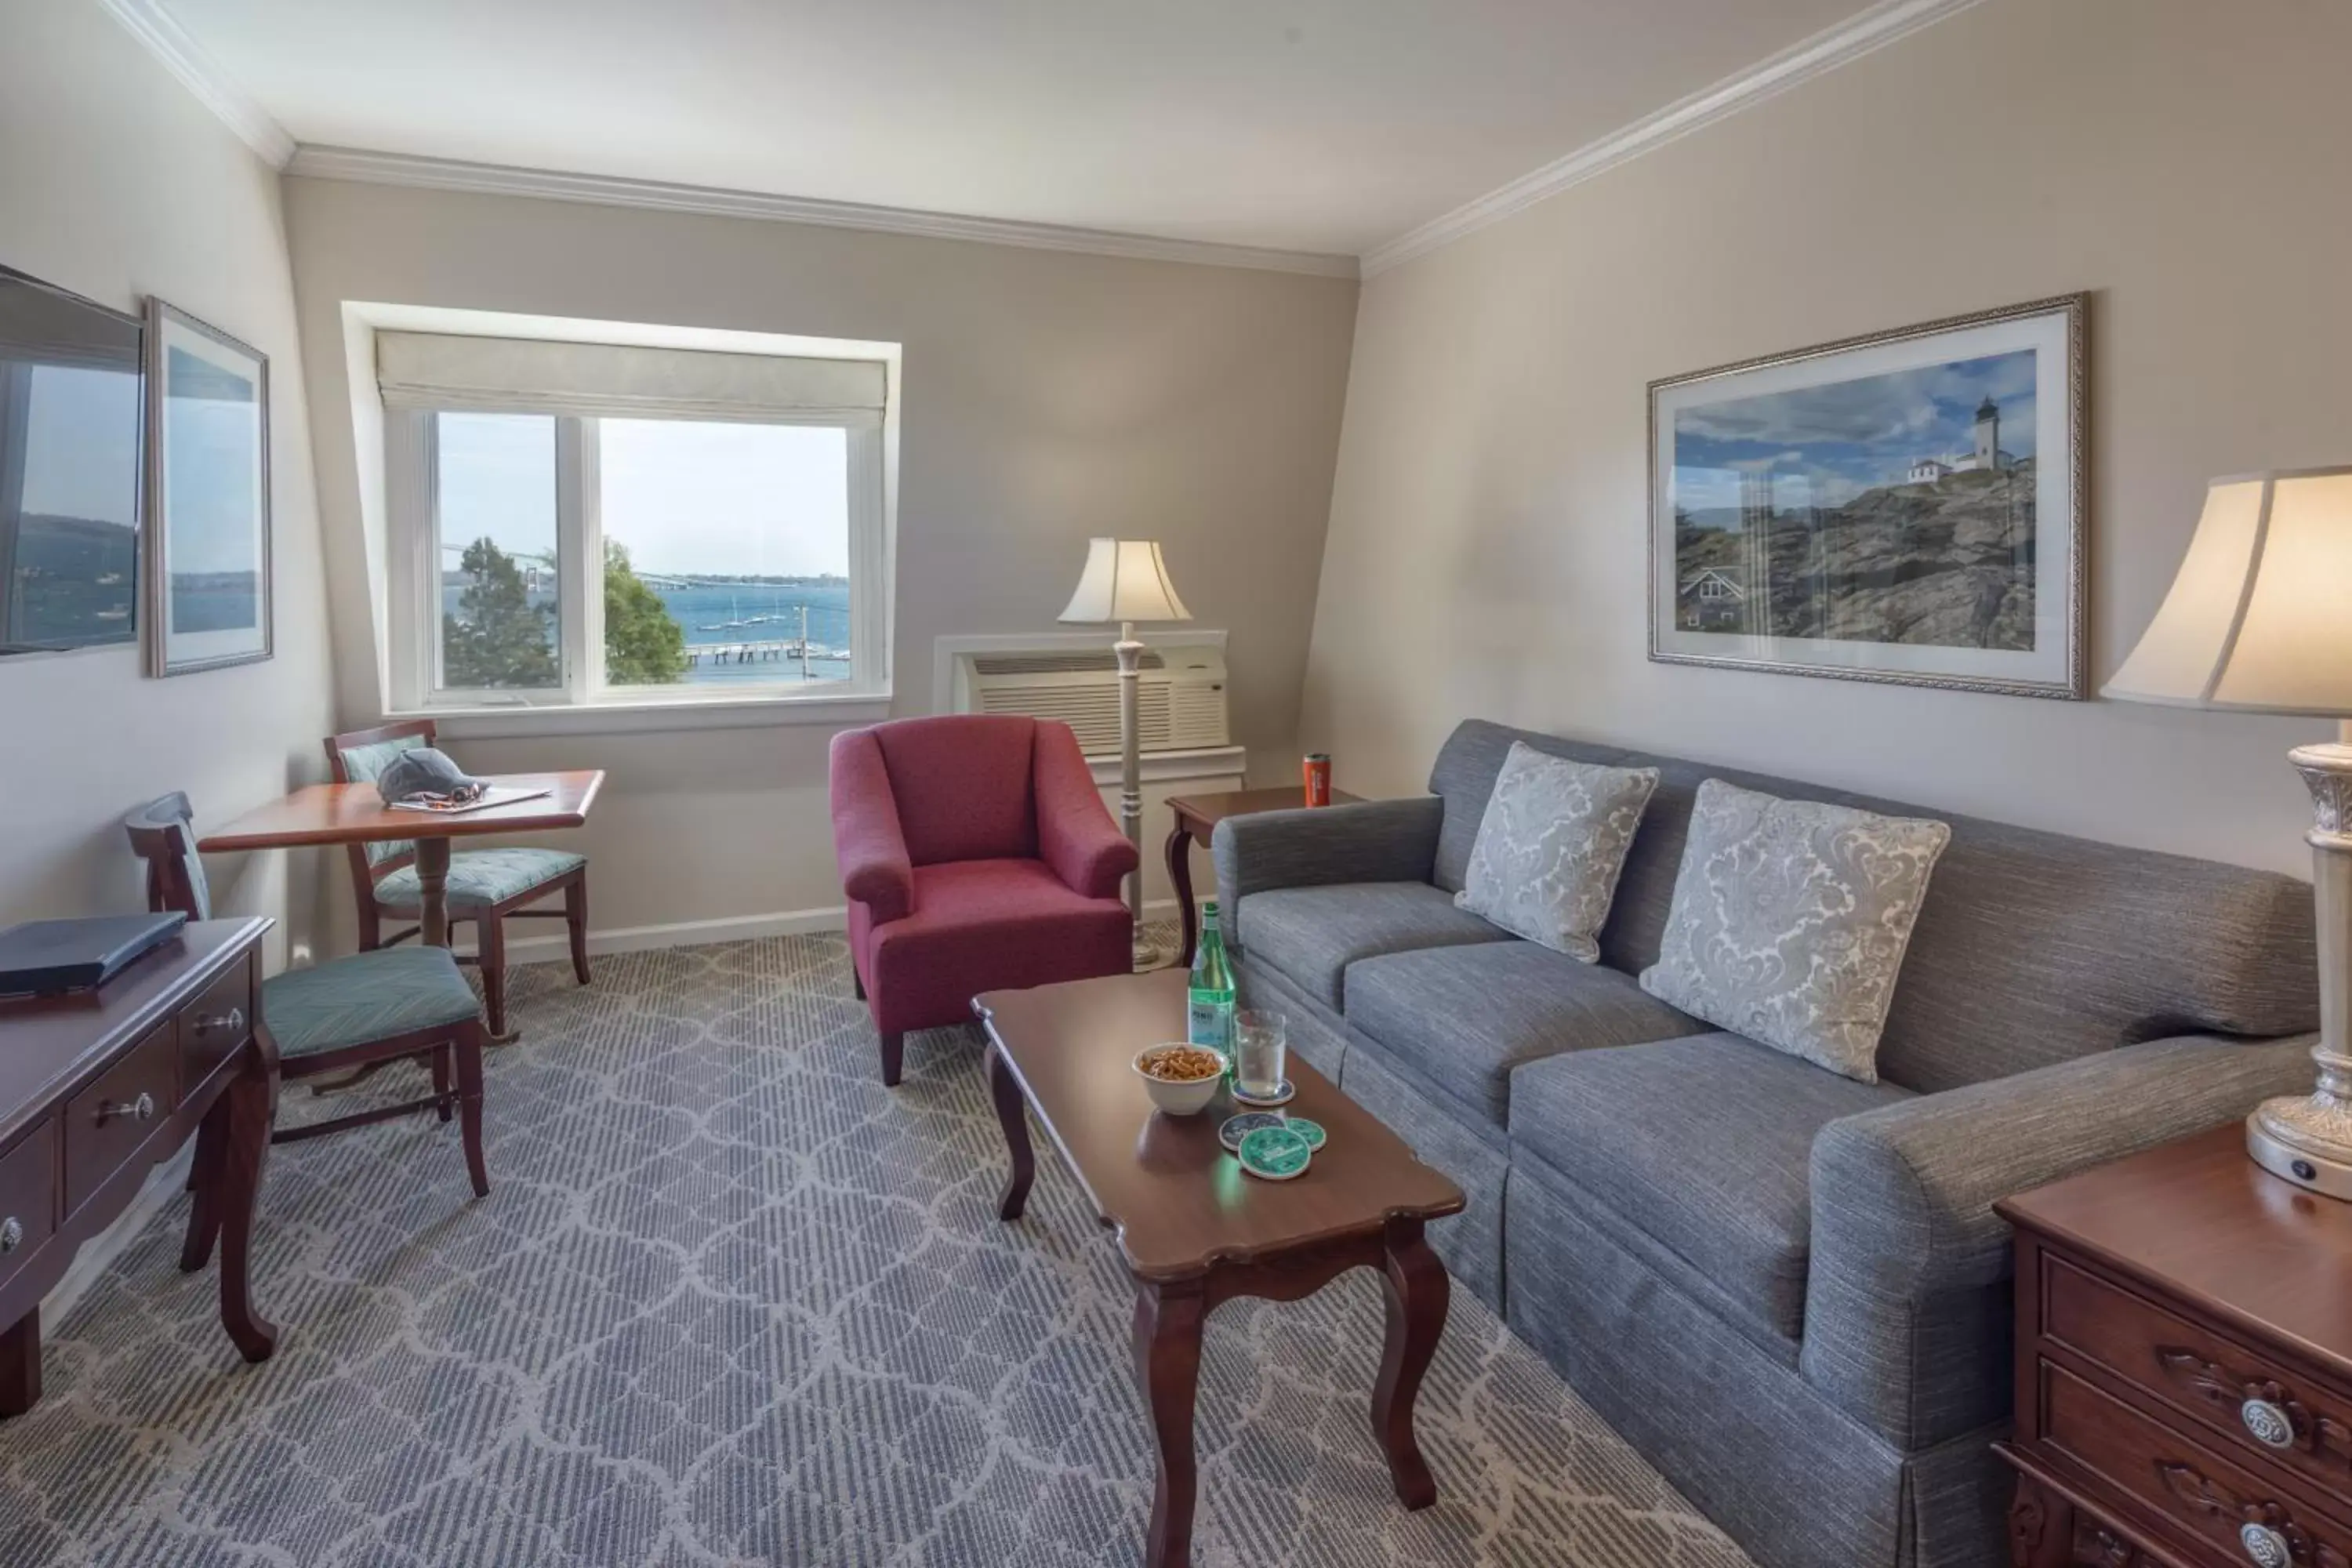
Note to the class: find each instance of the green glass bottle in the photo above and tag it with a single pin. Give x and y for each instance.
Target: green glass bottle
(1209, 1010)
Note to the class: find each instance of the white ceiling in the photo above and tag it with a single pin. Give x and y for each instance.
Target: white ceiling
(1313, 125)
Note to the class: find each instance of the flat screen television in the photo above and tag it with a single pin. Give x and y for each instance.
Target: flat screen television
(71, 423)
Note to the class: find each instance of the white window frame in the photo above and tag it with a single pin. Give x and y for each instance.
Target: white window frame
(583, 701)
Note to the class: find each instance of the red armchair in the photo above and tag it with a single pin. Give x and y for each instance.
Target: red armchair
(976, 857)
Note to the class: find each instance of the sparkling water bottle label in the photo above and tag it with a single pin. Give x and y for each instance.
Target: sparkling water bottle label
(1209, 1021)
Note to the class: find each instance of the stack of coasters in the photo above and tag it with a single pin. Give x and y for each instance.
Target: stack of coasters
(1276, 1148)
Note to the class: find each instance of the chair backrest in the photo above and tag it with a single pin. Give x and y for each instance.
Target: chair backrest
(963, 785)
(359, 756)
(161, 835)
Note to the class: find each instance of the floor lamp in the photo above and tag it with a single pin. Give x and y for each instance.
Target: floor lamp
(1125, 581)
(2259, 620)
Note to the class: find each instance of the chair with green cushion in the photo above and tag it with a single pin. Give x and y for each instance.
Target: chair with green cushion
(358, 1012)
(485, 886)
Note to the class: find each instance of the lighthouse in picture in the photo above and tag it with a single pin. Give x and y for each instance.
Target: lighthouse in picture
(1990, 458)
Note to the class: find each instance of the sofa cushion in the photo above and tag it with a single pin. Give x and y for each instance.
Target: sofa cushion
(1790, 920)
(1462, 1018)
(1702, 1144)
(1313, 935)
(985, 925)
(1545, 863)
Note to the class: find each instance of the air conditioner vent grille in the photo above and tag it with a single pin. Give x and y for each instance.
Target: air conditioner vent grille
(1057, 663)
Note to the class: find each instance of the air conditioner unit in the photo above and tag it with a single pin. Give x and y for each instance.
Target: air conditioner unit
(1180, 700)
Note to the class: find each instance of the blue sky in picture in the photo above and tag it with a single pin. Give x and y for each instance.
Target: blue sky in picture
(1825, 445)
(210, 423)
(687, 499)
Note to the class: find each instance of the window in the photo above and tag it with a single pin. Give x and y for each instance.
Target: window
(579, 525)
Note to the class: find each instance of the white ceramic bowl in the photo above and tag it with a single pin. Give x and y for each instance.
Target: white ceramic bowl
(1186, 1099)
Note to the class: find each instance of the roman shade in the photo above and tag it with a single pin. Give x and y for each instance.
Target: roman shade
(520, 375)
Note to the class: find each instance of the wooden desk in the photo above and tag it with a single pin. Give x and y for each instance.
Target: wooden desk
(96, 1089)
(1197, 816)
(355, 814)
(2184, 1365)
(1194, 1231)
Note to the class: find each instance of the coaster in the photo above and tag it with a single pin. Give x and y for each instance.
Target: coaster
(1312, 1131)
(1275, 1153)
(1237, 1128)
(1281, 1095)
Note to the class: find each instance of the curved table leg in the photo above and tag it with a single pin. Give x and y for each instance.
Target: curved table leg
(1013, 1115)
(1167, 1367)
(249, 1100)
(1180, 877)
(1417, 1290)
(433, 890)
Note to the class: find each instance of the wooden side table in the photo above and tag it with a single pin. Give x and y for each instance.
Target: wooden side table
(1197, 816)
(2184, 1366)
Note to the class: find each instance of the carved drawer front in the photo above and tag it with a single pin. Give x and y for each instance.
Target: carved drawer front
(2246, 1518)
(28, 1196)
(107, 1122)
(216, 1023)
(2246, 1397)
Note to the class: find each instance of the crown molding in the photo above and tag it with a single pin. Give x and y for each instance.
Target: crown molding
(661, 196)
(1857, 36)
(147, 21)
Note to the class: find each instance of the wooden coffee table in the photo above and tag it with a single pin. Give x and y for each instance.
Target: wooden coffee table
(1195, 1231)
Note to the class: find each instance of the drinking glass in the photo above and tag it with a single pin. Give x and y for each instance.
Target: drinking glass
(1258, 1047)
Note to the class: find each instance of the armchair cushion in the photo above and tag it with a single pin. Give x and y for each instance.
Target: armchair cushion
(1362, 841)
(365, 997)
(868, 842)
(1907, 1312)
(1699, 1145)
(985, 925)
(1075, 835)
(480, 878)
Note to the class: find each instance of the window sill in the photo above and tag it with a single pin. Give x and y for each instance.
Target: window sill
(652, 715)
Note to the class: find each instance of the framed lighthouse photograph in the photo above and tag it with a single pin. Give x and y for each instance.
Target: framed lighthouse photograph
(1910, 506)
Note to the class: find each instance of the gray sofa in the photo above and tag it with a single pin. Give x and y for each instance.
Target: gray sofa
(1785, 1288)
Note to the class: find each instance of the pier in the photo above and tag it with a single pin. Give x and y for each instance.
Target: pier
(755, 651)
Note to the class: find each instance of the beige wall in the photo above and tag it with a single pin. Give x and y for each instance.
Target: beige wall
(116, 184)
(2183, 160)
(1046, 397)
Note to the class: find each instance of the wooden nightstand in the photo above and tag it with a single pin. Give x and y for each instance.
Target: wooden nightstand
(2184, 1366)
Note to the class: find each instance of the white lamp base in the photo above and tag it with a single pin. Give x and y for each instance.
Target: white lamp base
(1150, 954)
(2308, 1139)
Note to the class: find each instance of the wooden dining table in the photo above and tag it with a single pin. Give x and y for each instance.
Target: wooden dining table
(355, 814)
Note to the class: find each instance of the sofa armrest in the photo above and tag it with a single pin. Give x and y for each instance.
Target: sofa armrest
(1075, 835)
(868, 842)
(1361, 841)
(1907, 1300)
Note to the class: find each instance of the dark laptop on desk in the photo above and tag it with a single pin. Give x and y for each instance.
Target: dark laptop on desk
(44, 956)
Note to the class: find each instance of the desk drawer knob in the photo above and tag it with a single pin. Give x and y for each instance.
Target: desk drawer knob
(2268, 1423)
(139, 1109)
(2266, 1547)
(232, 1020)
(12, 1235)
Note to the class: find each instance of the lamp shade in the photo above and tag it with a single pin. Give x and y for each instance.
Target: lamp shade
(1125, 579)
(2260, 616)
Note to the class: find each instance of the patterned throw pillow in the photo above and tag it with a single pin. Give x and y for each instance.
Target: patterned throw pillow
(1789, 921)
(1548, 849)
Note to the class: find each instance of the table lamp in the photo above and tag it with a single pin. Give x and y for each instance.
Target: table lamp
(2259, 620)
(1125, 581)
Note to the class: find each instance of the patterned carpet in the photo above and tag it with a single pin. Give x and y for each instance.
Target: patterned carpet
(732, 1302)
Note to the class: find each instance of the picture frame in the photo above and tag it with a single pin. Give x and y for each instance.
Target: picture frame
(1908, 506)
(208, 555)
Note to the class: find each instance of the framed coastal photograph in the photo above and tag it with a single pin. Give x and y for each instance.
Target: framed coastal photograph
(1908, 506)
(208, 555)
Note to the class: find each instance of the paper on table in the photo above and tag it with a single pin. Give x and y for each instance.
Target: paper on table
(496, 795)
